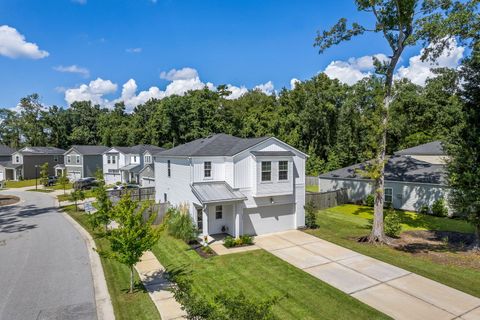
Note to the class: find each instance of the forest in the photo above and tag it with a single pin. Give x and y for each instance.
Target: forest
(336, 124)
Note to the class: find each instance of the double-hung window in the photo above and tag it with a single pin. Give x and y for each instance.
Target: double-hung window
(207, 169)
(266, 171)
(55, 158)
(148, 159)
(388, 195)
(283, 170)
(68, 159)
(169, 171)
(78, 159)
(218, 212)
(114, 159)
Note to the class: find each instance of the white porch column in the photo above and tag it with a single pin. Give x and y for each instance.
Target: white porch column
(236, 223)
(205, 221)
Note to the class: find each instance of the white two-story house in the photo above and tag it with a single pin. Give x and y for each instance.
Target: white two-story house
(124, 164)
(235, 185)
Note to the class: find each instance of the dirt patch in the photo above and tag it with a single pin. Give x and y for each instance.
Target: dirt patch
(443, 247)
(6, 200)
(204, 252)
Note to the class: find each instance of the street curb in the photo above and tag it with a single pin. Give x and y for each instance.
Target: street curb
(102, 297)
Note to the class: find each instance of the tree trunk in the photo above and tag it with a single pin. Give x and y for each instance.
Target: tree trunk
(378, 234)
(476, 244)
(76, 206)
(131, 279)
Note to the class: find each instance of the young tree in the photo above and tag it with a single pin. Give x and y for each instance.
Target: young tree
(133, 236)
(63, 181)
(75, 196)
(402, 24)
(464, 148)
(44, 174)
(103, 203)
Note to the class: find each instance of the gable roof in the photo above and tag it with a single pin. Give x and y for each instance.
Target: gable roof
(397, 168)
(41, 151)
(89, 150)
(138, 149)
(427, 149)
(6, 150)
(214, 145)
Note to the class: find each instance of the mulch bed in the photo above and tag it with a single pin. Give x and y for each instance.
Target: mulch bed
(6, 200)
(200, 249)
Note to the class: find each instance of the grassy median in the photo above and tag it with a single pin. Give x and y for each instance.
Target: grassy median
(126, 306)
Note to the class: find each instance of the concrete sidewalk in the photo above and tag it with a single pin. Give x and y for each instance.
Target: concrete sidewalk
(389, 289)
(152, 274)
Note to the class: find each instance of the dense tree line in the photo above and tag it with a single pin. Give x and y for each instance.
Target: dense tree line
(336, 124)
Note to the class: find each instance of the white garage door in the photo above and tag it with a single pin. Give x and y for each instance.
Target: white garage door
(262, 220)
(74, 175)
(1, 176)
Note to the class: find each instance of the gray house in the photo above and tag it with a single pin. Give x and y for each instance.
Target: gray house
(81, 161)
(5, 160)
(26, 162)
(413, 177)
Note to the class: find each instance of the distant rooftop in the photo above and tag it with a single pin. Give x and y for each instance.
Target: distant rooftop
(5, 150)
(41, 150)
(398, 168)
(428, 149)
(90, 150)
(139, 149)
(214, 145)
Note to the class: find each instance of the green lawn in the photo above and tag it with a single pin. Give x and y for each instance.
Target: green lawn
(344, 224)
(60, 187)
(126, 306)
(312, 188)
(64, 197)
(259, 274)
(21, 184)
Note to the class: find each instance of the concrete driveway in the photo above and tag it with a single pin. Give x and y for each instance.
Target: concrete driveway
(44, 265)
(394, 291)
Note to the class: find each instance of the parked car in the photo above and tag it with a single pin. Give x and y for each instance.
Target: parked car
(51, 180)
(85, 183)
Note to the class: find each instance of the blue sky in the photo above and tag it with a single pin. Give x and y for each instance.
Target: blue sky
(242, 43)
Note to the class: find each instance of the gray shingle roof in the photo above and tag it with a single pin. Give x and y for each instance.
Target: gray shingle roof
(272, 153)
(428, 149)
(214, 192)
(139, 149)
(41, 150)
(215, 145)
(398, 168)
(9, 164)
(90, 150)
(6, 150)
(132, 168)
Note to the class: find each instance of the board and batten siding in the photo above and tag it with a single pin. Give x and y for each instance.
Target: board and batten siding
(406, 195)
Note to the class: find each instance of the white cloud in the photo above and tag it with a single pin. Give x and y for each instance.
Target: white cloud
(354, 69)
(419, 71)
(182, 80)
(73, 69)
(94, 92)
(266, 88)
(133, 50)
(13, 45)
(182, 74)
(293, 83)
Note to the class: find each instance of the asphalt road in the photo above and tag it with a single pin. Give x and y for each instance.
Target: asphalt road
(44, 266)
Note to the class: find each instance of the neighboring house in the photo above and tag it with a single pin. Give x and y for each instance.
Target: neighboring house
(234, 185)
(81, 161)
(414, 177)
(26, 162)
(124, 164)
(6, 162)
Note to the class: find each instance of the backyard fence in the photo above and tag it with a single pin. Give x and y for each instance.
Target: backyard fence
(324, 200)
(311, 181)
(160, 209)
(140, 194)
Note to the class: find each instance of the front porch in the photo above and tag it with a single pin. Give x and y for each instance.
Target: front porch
(130, 173)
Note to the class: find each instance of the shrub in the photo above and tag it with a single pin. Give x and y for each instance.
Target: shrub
(392, 223)
(369, 200)
(439, 208)
(180, 225)
(229, 242)
(310, 216)
(425, 209)
(246, 239)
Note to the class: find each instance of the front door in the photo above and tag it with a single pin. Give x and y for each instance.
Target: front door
(200, 220)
